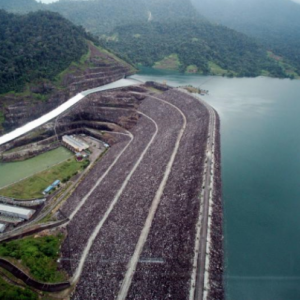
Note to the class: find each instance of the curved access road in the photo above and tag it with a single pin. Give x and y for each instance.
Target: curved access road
(131, 268)
(132, 232)
(62, 108)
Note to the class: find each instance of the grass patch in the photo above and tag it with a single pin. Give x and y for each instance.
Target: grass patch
(2, 119)
(265, 73)
(74, 66)
(113, 38)
(119, 60)
(287, 68)
(216, 69)
(38, 256)
(152, 89)
(191, 69)
(32, 187)
(10, 292)
(24, 93)
(170, 62)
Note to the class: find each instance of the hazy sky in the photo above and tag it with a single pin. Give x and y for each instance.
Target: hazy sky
(297, 1)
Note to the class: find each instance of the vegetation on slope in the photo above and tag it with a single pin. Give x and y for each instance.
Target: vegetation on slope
(102, 16)
(36, 46)
(275, 23)
(38, 255)
(10, 292)
(197, 44)
(33, 186)
(20, 6)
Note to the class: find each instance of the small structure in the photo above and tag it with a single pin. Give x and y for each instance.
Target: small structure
(2, 227)
(79, 156)
(14, 211)
(51, 187)
(48, 190)
(56, 183)
(74, 144)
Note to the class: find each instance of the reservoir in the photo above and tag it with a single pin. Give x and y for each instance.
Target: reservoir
(261, 180)
(16, 171)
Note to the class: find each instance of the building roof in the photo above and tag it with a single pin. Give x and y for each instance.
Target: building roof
(15, 209)
(48, 189)
(56, 182)
(76, 144)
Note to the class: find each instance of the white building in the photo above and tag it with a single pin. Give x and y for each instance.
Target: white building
(74, 144)
(2, 227)
(14, 211)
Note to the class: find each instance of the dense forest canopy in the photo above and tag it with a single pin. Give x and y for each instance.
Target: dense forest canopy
(196, 43)
(20, 6)
(275, 23)
(102, 16)
(37, 45)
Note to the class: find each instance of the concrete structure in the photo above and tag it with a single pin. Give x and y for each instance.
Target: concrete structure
(2, 227)
(14, 211)
(48, 190)
(62, 108)
(74, 144)
(56, 183)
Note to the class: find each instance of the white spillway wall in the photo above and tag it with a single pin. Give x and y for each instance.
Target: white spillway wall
(2, 227)
(62, 108)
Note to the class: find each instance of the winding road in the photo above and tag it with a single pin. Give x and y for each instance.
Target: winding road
(138, 225)
(123, 206)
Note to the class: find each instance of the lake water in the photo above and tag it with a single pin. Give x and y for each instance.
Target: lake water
(261, 181)
(15, 171)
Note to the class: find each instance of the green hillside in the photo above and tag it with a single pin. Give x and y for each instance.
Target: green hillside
(37, 45)
(20, 6)
(193, 46)
(274, 23)
(212, 49)
(102, 16)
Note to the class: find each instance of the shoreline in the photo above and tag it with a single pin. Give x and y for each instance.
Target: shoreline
(216, 255)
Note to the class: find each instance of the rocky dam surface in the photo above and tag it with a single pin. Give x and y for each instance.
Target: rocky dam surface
(132, 221)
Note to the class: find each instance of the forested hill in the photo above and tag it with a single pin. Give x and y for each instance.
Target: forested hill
(37, 45)
(193, 46)
(20, 6)
(117, 22)
(275, 23)
(102, 16)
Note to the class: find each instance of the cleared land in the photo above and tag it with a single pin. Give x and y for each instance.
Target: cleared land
(168, 63)
(146, 204)
(33, 186)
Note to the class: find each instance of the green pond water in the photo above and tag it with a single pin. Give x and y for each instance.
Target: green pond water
(15, 171)
(260, 119)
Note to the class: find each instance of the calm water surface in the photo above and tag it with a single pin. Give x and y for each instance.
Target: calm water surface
(261, 181)
(15, 171)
